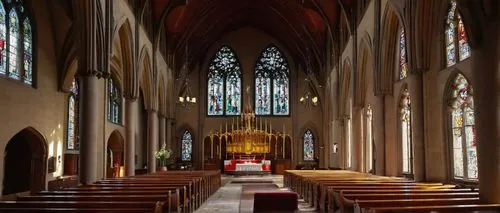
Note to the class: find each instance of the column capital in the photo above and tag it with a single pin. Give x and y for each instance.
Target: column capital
(93, 73)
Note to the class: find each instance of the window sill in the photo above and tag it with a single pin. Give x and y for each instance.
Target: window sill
(20, 82)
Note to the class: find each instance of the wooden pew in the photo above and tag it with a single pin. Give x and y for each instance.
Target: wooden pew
(362, 206)
(118, 206)
(476, 208)
(144, 193)
(170, 202)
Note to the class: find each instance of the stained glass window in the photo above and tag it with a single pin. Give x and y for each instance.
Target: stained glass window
(3, 41)
(463, 130)
(406, 142)
(187, 146)
(224, 83)
(403, 63)
(308, 146)
(455, 37)
(13, 44)
(16, 45)
(272, 67)
(114, 102)
(72, 129)
(28, 49)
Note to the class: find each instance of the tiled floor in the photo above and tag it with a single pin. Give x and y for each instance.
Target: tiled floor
(230, 198)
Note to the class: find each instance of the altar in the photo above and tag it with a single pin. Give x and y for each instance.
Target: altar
(247, 167)
(246, 145)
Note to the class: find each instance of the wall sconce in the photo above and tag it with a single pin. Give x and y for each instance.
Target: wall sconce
(335, 148)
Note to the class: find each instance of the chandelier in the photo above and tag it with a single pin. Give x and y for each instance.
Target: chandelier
(186, 98)
(308, 98)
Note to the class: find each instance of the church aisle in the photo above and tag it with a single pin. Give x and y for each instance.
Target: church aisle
(225, 200)
(231, 198)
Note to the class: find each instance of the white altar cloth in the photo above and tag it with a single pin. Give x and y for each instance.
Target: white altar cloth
(249, 167)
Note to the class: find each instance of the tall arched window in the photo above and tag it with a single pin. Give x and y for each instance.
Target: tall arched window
(308, 140)
(16, 42)
(369, 138)
(406, 143)
(114, 102)
(463, 130)
(224, 83)
(455, 37)
(186, 146)
(347, 135)
(271, 66)
(72, 128)
(403, 63)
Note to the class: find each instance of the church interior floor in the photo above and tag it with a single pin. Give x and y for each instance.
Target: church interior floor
(236, 194)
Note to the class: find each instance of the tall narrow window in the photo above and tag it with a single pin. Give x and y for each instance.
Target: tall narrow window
(224, 83)
(16, 42)
(187, 146)
(114, 102)
(308, 140)
(406, 143)
(28, 49)
(369, 139)
(72, 128)
(271, 67)
(456, 42)
(403, 63)
(13, 45)
(262, 93)
(3, 41)
(348, 142)
(463, 130)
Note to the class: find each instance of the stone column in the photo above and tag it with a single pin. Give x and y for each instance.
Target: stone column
(357, 141)
(417, 128)
(88, 128)
(90, 68)
(169, 133)
(486, 88)
(379, 135)
(163, 129)
(152, 140)
(130, 127)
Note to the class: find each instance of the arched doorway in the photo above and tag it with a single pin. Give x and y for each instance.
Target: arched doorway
(114, 153)
(25, 162)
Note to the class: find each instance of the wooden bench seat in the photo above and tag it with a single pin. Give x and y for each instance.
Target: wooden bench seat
(326, 195)
(361, 206)
(171, 203)
(476, 208)
(79, 210)
(150, 205)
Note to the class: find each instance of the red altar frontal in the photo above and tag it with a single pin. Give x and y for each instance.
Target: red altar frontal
(247, 166)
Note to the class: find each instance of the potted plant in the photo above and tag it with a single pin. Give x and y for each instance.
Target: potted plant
(163, 155)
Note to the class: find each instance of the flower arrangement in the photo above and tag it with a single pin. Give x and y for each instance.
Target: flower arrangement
(163, 155)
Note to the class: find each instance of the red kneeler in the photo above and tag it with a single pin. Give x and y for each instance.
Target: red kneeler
(275, 202)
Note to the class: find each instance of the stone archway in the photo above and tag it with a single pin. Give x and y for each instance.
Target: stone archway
(114, 155)
(25, 162)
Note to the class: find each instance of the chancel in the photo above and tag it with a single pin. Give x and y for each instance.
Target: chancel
(250, 106)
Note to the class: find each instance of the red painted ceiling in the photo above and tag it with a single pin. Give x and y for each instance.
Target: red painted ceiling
(298, 24)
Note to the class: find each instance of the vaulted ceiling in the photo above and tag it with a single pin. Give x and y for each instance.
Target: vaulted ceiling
(303, 26)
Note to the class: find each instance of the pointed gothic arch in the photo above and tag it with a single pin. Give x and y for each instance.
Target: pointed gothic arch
(224, 82)
(25, 164)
